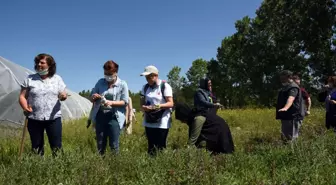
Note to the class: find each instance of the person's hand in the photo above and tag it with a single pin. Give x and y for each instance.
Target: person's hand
(156, 107)
(218, 105)
(333, 102)
(62, 96)
(28, 109)
(283, 110)
(108, 103)
(96, 96)
(326, 86)
(146, 108)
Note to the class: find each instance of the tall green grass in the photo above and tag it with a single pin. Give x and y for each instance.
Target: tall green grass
(260, 156)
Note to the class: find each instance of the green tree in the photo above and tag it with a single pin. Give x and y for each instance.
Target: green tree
(176, 82)
(174, 79)
(304, 27)
(85, 93)
(284, 35)
(219, 77)
(197, 71)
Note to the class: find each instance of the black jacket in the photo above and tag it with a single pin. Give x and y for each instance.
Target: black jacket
(215, 130)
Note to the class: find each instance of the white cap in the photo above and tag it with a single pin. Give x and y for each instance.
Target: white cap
(150, 70)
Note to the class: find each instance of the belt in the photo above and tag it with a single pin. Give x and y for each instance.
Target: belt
(102, 109)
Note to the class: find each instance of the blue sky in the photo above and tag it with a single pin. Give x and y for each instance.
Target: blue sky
(82, 35)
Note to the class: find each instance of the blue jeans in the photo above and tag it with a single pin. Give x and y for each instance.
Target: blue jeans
(54, 132)
(107, 126)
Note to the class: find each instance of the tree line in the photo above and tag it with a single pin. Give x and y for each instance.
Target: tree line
(298, 35)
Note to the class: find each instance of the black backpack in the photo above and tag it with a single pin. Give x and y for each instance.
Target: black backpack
(162, 86)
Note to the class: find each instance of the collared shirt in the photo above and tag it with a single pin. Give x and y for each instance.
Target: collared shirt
(118, 92)
(43, 96)
(153, 96)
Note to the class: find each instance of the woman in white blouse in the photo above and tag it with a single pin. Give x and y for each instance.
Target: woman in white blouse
(40, 98)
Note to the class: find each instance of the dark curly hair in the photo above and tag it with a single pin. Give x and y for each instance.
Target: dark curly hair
(50, 61)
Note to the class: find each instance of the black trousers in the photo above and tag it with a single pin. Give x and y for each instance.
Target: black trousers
(157, 139)
(54, 132)
(330, 120)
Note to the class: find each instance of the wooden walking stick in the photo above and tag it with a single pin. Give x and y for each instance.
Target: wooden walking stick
(24, 131)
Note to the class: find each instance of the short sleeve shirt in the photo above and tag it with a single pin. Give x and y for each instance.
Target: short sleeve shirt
(43, 96)
(293, 92)
(153, 96)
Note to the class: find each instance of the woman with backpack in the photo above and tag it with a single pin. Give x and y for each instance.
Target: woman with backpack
(156, 103)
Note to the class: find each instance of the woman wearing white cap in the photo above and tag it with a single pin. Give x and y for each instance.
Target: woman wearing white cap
(156, 103)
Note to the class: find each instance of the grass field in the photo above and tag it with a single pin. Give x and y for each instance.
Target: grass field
(260, 156)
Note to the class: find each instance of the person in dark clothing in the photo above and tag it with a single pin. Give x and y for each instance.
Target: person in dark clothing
(305, 95)
(328, 95)
(306, 101)
(216, 101)
(215, 130)
(203, 102)
(204, 99)
(289, 107)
